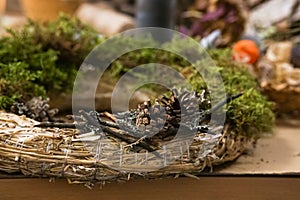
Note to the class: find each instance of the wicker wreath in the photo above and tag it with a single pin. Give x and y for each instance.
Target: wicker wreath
(94, 150)
(60, 152)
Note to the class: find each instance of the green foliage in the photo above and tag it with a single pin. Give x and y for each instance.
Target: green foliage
(147, 55)
(42, 59)
(16, 83)
(70, 37)
(251, 114)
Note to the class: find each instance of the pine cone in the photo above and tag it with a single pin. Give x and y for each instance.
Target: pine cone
(37, 108)
(163, 119)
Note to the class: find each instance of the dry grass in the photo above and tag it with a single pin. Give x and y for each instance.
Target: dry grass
(83, 158)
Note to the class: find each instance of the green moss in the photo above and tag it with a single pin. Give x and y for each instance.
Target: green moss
(17, 83)
(42, 59)
(250, 114)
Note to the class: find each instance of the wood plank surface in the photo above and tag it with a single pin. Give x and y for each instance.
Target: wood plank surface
(170, 188)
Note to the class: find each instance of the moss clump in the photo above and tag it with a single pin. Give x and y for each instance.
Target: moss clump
(250, 114)
(17, 82)
(41, 59)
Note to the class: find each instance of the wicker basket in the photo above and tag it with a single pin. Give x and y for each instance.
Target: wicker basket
(279, 78)
(54, 152)
(46, 10)
(286, 97)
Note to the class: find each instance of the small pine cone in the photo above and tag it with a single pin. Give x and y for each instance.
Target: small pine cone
(37, 108)
(164, 117)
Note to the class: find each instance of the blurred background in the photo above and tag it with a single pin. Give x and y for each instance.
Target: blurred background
(233, 18)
